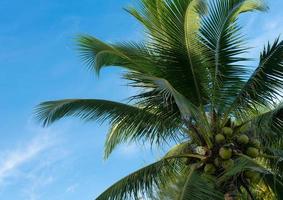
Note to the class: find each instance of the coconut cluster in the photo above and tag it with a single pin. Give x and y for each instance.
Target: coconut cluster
(228, 145)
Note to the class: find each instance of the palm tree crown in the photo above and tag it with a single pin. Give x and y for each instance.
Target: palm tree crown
(196, 89)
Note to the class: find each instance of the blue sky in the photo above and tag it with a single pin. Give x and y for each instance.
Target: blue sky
(39, 62)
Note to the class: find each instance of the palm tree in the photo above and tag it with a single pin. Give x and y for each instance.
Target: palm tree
(195, 88)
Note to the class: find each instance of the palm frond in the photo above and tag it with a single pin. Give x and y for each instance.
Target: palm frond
(189, 185)
(122, 130)
(275, 182)
(264, 88)
(193, 46)
(268, 127)
(182, 148)
(144, 181)
(173, 44)
(224, 43)
(199, 187)
(190, 113)
(274, 160)
(270, 178)
(132, 56)
(147, 130)
(134, 123)
(171, 190)
(86, 109)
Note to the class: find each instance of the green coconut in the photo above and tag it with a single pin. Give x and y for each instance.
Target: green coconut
(219, 138)
(228, 164)
(209, 169)
(217, 162)
(227, 131)
(252, 152)
(253, 176)
(255, 143)
(225, 153)
(243, 139)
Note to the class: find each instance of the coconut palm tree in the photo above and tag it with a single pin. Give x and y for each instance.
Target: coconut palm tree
(195, 88)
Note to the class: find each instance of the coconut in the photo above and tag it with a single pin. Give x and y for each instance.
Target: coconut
(217, 162)
(219, 138)
(209, 169)
(253, 176)
(227, 131)
(225, 153)
(228, 164)
(252, 152)
(243, 139)
(255, 143)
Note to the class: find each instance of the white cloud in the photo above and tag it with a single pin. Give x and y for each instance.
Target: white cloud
(29, 161)
(270, 31)
(12, 160)
(271, 25)
(36, 181)
(72, 188)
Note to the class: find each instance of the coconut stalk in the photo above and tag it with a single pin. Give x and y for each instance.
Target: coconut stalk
(231, 194)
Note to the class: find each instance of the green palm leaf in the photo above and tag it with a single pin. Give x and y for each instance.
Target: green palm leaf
(189, 185)
(269, 126)
(136, 122)
(198, 188)
(182, 148)
(274, 160)
(144, 129)
(276, 184)
(122, 130)
(172, 31)
(188, 111)
(98, 54)
(221, 35)
(265, 85)
(144, 181)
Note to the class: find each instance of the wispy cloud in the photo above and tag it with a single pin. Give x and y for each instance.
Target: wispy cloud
(72, 188)
(268, 32)
(37, 182)
(14, 159)
(30, 164)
